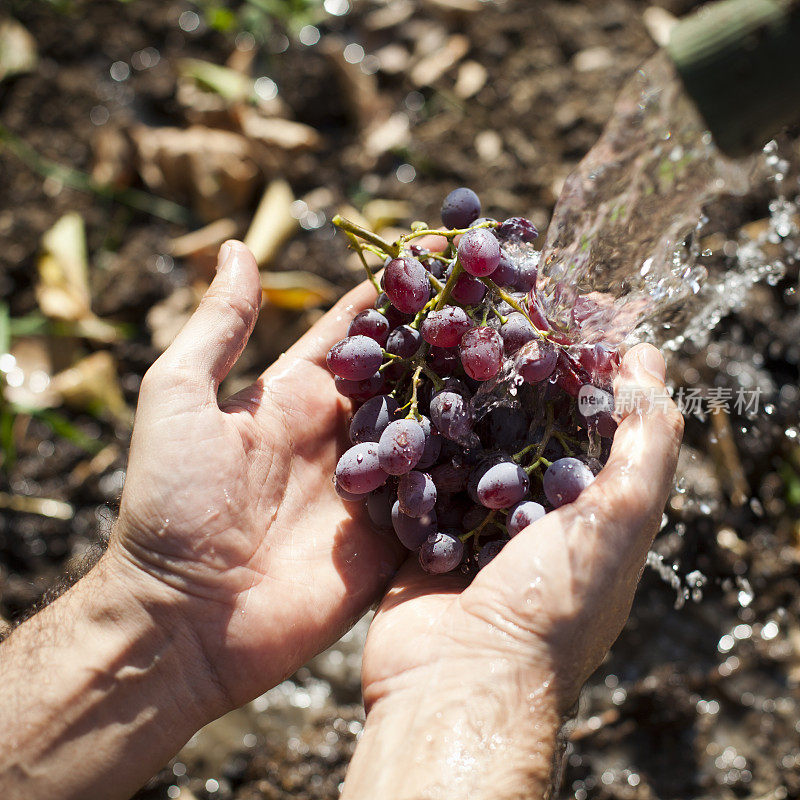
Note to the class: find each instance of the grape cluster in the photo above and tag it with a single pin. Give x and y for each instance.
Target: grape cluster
(468, 429)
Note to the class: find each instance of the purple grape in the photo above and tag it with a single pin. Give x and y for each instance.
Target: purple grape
(445, 327)
(527, 274)
(479, 470)
(489, 551)
(468, 291)
(460, 208)
(449, 477)
(355, 358)
(433, 444)
(536, 361)
(351, 497)
(481, 352)
(370, 421)
(370, 323)
(504, 427)
(412, 531)
(523, 514)
(443, 362)
(506, 275)
(503, 485)
(441, 552)
(401, 446)
(516, 229)
(516, 332)
(406, 284)
(393, 316)
(404, 342)
(565, 479)
(359, 390)
(359, 470)
(416, 494)
(379, 507)
(451, 414)
(479, 252)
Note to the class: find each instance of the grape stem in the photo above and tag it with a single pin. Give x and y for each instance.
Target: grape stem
(414, 411)
(504, 295)
(356, 245)
(477, 531)
(448, 287)
(563, 441)
(448, 234)
(368, 236)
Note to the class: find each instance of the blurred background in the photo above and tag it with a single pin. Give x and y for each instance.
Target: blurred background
(136, 136)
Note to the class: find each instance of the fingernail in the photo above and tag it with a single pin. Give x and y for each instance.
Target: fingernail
(225, 253)
(650, 361)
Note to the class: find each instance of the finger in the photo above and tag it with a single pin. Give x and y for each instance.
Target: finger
(628, 497)
(314, 345)
(603, 537)
(215, 335)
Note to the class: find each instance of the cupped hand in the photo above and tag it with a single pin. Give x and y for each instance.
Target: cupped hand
(229, 510)
(455, 668)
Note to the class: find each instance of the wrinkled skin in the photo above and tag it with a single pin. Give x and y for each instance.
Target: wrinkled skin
(231, 505)
(556, 597)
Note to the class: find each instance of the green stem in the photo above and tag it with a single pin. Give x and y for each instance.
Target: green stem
(367, 235)
(414, 411)
(504, 295)
(448, 287)
(477, 531)
(356, 245)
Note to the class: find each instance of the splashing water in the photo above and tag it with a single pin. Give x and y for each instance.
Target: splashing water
(623, 259)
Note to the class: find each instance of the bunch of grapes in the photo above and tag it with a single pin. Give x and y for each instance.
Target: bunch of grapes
(468, 429)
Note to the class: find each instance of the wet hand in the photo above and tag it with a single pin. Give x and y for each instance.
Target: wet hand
(472, 681)
(229, 509)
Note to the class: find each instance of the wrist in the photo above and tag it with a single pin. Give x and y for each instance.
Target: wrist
(159, 616)
(104, 675)
(491, 735)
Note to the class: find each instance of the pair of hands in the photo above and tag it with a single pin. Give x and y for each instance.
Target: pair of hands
(229, 517)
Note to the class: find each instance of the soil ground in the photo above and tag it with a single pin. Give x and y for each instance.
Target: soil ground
(698, 702)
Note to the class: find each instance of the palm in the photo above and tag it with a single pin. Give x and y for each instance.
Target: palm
(242, 516)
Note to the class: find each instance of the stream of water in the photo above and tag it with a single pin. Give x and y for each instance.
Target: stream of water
(639, 245)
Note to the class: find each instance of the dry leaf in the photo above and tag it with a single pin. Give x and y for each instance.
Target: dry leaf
(472, 77)
(427, 71)
(63, 288)
(113, 157)
(211, 170)
(296, 291)
(32, 385)
(93, 385)
(17, 49)
(277, 132)
(273, 222)
(390, 134)
(200, 247)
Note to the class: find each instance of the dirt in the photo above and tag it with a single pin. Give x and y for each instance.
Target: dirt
(703, 701)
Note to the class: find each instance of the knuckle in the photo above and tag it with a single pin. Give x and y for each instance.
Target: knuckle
(227, 304)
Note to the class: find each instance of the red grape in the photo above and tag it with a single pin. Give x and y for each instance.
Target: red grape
(479, 252)
(406, 284)
(370, 323)
(481, 352)
(355, 358)
(444, 328)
